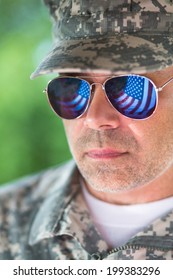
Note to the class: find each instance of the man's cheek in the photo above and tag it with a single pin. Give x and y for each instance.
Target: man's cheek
(137, 131)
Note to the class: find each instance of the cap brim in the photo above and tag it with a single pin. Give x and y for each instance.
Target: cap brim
(116, 54)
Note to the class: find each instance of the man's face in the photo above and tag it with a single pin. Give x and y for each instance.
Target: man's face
(114, 153)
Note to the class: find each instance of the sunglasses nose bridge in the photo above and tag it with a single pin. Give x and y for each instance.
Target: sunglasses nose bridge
(94, 85)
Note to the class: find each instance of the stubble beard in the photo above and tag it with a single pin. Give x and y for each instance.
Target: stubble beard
(130, 174)
(106, 176)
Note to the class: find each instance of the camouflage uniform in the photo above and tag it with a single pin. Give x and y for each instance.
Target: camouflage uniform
(44, 216)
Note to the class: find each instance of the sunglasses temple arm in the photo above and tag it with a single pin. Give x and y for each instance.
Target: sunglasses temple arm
(160, 88)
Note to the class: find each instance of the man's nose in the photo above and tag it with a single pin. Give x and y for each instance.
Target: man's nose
(100, 114)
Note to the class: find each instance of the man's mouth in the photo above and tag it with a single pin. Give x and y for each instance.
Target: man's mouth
(104, 153)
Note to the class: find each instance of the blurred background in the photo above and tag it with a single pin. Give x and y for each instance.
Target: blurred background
(31, 136)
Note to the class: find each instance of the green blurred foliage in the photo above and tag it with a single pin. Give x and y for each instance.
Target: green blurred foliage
(31, 136)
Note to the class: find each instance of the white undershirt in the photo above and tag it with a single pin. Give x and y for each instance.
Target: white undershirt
(118, 223)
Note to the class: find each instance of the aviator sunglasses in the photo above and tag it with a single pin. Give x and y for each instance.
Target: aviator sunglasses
(133, 96)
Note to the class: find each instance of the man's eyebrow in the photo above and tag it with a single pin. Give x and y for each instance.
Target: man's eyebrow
(89, 77)
(75, 74)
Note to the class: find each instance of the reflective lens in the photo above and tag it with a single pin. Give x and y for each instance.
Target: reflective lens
(69, 97)
(132, 95)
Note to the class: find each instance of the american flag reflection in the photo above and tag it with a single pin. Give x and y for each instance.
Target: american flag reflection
(74, 98)
(136, 97)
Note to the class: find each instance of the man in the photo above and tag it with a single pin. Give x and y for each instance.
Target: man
(113, 90)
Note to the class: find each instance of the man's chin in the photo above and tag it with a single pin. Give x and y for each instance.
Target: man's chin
(107, 177)
(110, 184)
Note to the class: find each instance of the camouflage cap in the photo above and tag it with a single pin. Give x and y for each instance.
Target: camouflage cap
(109, 36)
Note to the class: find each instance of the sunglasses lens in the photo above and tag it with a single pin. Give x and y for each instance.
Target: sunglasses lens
(133, 96)
(69, 97)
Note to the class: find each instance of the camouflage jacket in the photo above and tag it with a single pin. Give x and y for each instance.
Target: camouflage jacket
(44, 216)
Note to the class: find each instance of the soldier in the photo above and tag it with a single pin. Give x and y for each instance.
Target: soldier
(113, 91)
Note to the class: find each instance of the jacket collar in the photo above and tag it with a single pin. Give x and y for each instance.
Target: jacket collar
(64, 211)
(59, 195)
(158, 234)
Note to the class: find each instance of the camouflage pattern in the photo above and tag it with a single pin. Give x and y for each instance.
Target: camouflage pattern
(109, 36)
(44, 216)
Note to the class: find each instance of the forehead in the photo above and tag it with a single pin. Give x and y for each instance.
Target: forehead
(159, 78)
(167, 71)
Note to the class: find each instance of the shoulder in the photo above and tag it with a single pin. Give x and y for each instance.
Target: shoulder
(30, 201)
(35, 186)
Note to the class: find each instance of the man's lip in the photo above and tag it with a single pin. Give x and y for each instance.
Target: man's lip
(104, 153)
